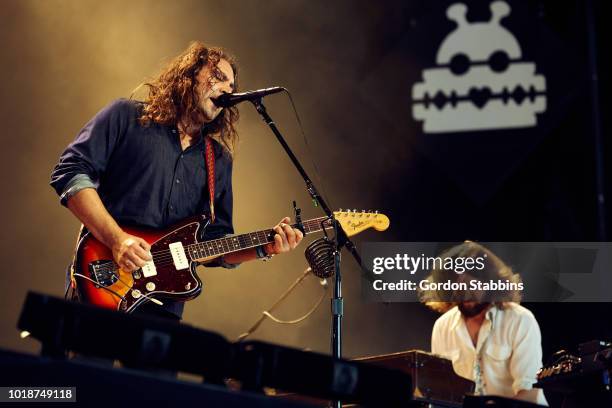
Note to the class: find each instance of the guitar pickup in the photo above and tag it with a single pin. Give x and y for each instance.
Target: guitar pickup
(148, 270)
(179, 257)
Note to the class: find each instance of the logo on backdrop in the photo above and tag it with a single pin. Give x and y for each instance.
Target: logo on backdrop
(480, 82)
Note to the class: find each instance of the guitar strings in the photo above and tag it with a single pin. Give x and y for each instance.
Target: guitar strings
(162, 257)
(310, 224)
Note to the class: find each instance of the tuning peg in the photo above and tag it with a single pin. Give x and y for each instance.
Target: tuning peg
(376, 212)
(340, 210)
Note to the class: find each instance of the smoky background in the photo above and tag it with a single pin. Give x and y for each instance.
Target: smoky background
(62, 61)
(350, 68)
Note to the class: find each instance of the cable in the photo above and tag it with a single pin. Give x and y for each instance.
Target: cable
(266, 313)
(100, 286)
(307, 315)
(310, 154)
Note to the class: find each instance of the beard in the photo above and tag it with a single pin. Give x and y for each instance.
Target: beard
(472, 309)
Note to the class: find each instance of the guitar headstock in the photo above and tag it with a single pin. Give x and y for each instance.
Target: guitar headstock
(354, 222)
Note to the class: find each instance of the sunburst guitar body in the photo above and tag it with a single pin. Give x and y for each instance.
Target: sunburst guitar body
(171, 274)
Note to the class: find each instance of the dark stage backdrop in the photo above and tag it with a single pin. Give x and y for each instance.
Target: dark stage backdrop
(394, 123)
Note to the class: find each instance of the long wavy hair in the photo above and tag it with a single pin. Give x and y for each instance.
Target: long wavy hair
(173, 95)
(494, 269)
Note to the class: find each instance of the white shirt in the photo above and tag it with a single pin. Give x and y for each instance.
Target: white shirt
(509, 343)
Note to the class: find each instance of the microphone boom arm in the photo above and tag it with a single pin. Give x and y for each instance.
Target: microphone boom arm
(310, 187)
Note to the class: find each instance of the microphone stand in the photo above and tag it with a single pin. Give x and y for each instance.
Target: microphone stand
(342, 240)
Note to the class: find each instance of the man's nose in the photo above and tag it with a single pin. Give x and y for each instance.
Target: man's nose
(226, 88)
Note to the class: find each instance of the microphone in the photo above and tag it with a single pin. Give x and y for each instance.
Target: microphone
(230, 99)
(320, 256)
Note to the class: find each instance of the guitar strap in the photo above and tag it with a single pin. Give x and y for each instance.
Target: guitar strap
(210, 170)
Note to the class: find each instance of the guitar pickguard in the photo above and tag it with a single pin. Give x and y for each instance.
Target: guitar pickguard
(170, 275)
(168, 281)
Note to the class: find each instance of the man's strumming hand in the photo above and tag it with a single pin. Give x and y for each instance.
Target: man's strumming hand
(130, 252)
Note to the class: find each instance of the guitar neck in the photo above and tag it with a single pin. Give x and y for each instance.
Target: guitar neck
(227, 245)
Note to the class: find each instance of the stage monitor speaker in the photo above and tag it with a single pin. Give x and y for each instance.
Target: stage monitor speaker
(137, 341)
(261, 365)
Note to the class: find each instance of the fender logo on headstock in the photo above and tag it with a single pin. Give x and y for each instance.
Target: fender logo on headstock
(354, 222)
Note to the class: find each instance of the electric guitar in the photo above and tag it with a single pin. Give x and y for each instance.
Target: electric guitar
(171, 274)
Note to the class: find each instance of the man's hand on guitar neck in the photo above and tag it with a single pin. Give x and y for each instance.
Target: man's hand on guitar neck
(286, 239)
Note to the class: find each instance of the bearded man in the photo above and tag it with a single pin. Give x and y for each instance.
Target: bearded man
(490, 338)
(147, 164)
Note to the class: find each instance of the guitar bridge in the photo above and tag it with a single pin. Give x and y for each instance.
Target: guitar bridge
(103, 272)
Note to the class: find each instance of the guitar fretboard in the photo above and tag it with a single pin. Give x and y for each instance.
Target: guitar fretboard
(234, 243)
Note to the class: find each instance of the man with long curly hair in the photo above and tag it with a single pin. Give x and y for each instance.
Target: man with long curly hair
(490, 338)
(145, 164)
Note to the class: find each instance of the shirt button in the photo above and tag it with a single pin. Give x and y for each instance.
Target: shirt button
(178, 181)
(171, 207)
(182, 156)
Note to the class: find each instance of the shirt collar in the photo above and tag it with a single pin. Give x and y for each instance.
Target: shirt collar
(458, 318)
(199, 143)
(491, 313)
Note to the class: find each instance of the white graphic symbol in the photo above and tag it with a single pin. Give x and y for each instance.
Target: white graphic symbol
(479, 82)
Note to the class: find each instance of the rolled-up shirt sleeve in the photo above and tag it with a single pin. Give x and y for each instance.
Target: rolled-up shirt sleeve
(526, 357)
(85, 159)
(74, 185)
